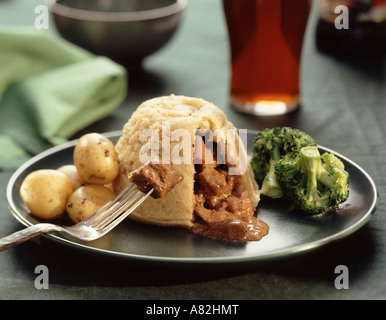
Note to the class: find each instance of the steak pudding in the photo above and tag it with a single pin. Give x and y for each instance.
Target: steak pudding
(209, 200)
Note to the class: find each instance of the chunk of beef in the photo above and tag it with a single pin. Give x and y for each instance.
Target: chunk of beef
(162, 177)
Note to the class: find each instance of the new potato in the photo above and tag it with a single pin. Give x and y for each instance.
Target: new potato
(70, 171)
(80, 188)
(96, 159)
(45, 192)
(86, 200)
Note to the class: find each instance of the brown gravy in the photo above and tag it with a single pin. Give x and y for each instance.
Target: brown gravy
(219, 212)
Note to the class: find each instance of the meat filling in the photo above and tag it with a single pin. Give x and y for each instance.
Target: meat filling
(161, 177)
(220, 212)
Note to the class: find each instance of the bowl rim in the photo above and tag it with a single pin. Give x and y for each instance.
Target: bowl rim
(89, 15)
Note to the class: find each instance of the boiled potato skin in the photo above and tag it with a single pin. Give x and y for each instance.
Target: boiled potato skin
(96, 159)
(70, 171)
(45, 192)
(86, 200)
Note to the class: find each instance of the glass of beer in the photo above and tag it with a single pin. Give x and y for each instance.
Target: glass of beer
(265, 38)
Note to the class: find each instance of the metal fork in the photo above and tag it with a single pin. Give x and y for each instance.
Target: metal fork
(94, 227)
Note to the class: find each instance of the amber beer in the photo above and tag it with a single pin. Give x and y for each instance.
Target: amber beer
(265, 39)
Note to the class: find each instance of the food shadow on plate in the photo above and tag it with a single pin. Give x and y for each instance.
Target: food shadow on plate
(161, 245)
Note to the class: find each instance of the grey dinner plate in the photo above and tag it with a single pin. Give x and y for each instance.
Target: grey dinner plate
(290, 232)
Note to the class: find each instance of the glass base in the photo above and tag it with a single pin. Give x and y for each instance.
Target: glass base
(265, 107)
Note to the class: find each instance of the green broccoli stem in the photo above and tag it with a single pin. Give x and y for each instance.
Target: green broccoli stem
(311, 165)
(327, 179)
(270, 186)
(311, 159)
(275, 155)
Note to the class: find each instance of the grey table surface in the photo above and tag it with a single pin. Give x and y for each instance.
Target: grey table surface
(343, 108)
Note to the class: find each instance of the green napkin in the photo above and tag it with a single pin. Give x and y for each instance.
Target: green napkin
(49, 90)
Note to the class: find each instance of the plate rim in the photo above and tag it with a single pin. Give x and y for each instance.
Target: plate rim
(247, 258)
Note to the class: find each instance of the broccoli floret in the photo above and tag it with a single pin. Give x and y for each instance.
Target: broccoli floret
(314, 183)
(269, 147)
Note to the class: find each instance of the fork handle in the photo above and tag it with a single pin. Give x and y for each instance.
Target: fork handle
(27, 234)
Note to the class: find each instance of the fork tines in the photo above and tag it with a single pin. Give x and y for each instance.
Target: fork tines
(117, 209)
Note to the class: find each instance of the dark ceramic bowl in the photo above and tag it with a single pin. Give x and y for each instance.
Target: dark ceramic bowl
(126, 31)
